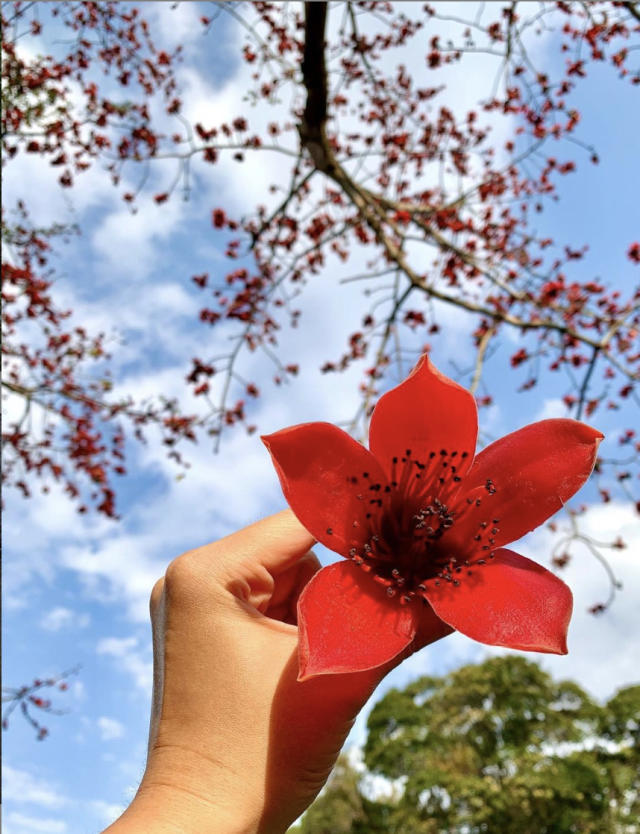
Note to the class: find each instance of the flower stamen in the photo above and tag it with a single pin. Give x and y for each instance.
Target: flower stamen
(422, 501)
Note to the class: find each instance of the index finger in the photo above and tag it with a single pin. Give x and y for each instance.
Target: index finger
(276, 543)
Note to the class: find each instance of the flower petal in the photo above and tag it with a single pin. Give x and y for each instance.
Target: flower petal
(511, 601)
(347, 623)
(427, 412)
(535, 470)
(317, 464)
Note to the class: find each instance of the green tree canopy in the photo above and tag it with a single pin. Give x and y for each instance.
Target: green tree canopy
(493, 747)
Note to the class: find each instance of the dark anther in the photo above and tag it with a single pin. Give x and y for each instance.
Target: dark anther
(391, 592)
(329, 531)
(395, 573)
(352, 552)
(456, 583)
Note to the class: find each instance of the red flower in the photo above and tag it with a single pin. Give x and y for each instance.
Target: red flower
(422, 524)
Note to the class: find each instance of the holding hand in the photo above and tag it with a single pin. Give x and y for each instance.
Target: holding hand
(237, 744)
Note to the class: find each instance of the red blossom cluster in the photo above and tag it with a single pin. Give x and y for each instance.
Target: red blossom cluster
(380, 163)
(29, 701)
(481, 253)
(69, 428)
(40, 114)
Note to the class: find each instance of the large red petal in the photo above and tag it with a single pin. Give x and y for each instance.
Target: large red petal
(316, 464)
(347, 623)
(535, 471)
(426, 413)
(511, 601)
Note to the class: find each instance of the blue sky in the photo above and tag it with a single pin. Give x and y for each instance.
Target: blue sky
(76, 588)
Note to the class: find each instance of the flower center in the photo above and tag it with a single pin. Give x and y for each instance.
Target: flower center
(408, 519)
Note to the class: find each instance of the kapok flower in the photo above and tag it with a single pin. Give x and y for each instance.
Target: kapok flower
(421, 523)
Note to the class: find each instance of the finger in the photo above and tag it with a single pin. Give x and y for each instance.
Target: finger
(274, 543)
(288, 586)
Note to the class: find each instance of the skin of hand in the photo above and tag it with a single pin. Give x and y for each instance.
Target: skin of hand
(237, 745)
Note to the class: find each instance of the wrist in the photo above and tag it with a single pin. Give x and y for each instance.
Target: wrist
(183, 793)
(167, 809)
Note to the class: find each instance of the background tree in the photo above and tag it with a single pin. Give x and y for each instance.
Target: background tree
(498, 746)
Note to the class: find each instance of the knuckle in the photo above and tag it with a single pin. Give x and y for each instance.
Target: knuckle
(180, 572)
(187, 576)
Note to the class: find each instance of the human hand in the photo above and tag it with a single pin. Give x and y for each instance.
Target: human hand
(237, 743)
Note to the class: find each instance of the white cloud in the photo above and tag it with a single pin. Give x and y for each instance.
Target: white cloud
(131, 658)
(60, 617)
(17, 823)
(25, 787)
(603, 649)
(110, 728)
(78, 690)
(107, 811)
(142, 236)
(551, 407)
(176, 23)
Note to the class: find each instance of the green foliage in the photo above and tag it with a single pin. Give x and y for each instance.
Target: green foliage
(498, 747)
